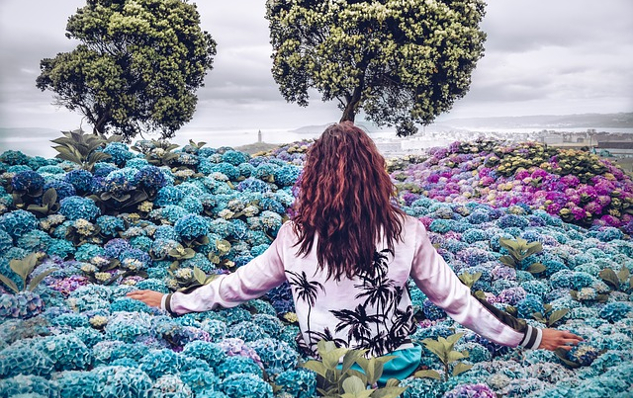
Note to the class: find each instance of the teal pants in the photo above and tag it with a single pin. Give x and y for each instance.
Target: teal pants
(406, 361)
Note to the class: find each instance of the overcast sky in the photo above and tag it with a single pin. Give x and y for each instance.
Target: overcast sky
(542, 57)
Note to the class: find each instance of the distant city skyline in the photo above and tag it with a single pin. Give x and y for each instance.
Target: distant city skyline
(542, 58)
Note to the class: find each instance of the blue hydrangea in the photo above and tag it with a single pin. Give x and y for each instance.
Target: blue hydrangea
(238, 365)
(156, 285)
(432, 311)
(246, 331)
(142, 243)
(6, 242)
(115, 247)
(35, 241)
(191, 226)
(63, 189)
(89, 336)
(168, 195)
(616, 311)
(137, 163)
(151, 178)
(287, 175)
(215, 327)
(77, 384)
(72, 319)
(428, 388)
(246, 386)
(127, 327)
(166, 232)
(130, 305)
(76, 207)
(265, 171)
(123, 382)
(299, 383)
(24, 360)
(28, 182)
(213, 354)
(27, 386)
(12, 157)
(170, 386)
(529, 305)
(230, 171)
(235, 158)
(81, 180)
(18, 223)
(68, 352)
(277, 356)
(199, 380)
(119, 153)
(161, 362)
(88, 251)
(170, 213)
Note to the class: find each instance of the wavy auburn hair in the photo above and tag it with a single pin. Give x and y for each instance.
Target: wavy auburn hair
(344, 201)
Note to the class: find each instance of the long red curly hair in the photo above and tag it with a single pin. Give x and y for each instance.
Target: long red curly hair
(344, 202)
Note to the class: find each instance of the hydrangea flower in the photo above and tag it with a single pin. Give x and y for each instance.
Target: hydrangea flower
(246, 385)
(123, 382)
(18, 223)
(76, 207)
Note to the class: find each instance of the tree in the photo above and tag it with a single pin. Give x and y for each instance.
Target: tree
(137, 67)
(400, 61)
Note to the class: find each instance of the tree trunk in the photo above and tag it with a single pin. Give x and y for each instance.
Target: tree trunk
(349, 113)
(100, 124)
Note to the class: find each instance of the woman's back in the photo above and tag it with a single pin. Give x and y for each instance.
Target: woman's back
(371, 311)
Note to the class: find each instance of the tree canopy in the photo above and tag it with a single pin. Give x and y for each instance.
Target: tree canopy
(400, 61)
(137, 67)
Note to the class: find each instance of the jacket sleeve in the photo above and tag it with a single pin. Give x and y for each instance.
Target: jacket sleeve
(440, 284)
(248, 282)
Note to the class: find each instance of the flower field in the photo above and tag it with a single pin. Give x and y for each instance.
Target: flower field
(540, 232)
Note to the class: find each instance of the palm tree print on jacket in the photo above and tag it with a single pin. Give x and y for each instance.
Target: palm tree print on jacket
(306, 291)
(376, 324)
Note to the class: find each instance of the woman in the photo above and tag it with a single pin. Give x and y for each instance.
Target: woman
(348, 254)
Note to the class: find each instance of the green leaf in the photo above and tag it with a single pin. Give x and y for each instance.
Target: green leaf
(50, 197)
(562, 355)
(455, 356)
(316, 366)
(573, 294)
(507, 260)
(353, 385)
(9, 283)
(536, 268)
(429, 374)
(536, 247)
(199, 275)
(189, 253)
(392, 383)
(539, 317)
(610, 278)
(557, 315)
(460, 368)
(36, 281)
(350, 357)
(37, 209)
(330, 358)
(623, 275)
(435, 347)
(223, 246)
(388, 392)
(454, 338)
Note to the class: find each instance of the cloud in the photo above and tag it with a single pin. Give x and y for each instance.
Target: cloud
(542, 56)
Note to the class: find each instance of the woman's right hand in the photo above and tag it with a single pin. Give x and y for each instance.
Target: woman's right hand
(553, 339)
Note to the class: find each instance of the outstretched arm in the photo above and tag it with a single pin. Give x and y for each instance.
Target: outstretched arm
(435, 278)
(248, 282)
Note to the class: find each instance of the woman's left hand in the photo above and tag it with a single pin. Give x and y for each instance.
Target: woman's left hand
(554, 339)
(149, 297)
